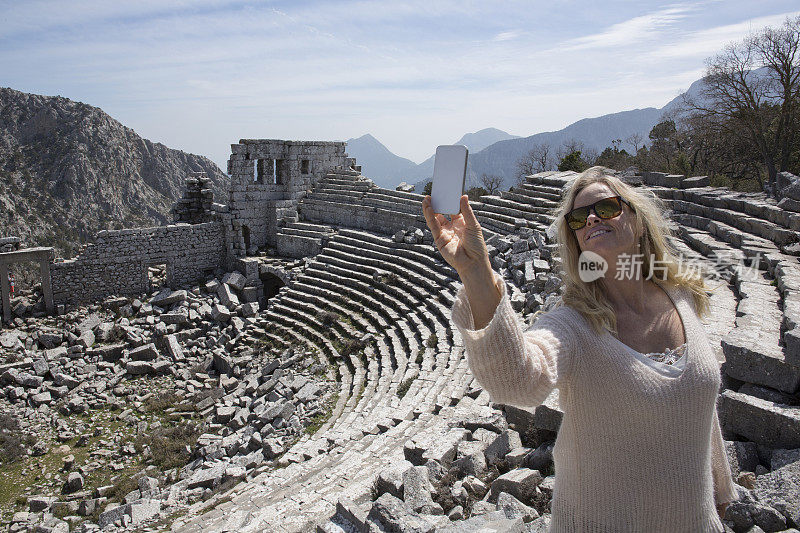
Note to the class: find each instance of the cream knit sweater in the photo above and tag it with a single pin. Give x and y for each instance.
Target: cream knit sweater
(636, 450)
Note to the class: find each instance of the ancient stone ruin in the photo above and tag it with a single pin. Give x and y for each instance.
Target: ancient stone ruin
(304, 334)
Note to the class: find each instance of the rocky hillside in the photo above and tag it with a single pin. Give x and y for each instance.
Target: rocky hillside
(68, 170)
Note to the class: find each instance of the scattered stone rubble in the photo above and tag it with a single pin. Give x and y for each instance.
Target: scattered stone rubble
(199, 347)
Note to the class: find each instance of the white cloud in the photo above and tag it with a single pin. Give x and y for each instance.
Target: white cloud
(703, 43)
(632, 31)
(507, 35)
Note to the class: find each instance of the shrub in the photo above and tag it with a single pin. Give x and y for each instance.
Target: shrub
(432, 341)
(402, 389)
(327, 318)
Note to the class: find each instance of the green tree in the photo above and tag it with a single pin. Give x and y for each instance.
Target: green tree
(429, 187)
(475, 193)
(764, 104)
(573, 161)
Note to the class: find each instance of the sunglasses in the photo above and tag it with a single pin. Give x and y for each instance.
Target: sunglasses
(605, 209)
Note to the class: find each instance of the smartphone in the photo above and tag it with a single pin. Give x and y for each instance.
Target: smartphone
(449, 173)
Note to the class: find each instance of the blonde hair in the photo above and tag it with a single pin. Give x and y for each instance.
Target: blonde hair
(590, 299)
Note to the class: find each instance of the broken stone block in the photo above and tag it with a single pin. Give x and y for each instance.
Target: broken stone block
(250, 309)
(175, 317)
(395, 515)
(391, 479)
(502, 444)
(74, 483)
(139, 368)
(308, 392)
(173, 348)
(513, 508)
(748, 358)
(235, 280)
(225, 414)
(40, 503)
(470, 458)
(208, 478)
(41, 398)
(148, 352)
(417, 490)
(490, 522)
(168, 297)
(759, 420)
(86, 339)
(520, 483)
(742, 456)
(40, 367)
(226, 296)
(220, 313)
(50, 339)
(780, 489)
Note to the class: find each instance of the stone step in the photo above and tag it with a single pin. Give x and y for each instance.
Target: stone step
(745, 223)
(539, 191)
(528, 197)
(752, 247)
(305, 226)
(758, 420)
(757, 205)
(346, 259)
(379, 194)
(391, 204)
(495, 204)
(753, 350)
(343, 185)
(552, 178)
(399, 194)
(350, 278)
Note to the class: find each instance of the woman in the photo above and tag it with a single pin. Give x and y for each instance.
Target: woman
(639, 447)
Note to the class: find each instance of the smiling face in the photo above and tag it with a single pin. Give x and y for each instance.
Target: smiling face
(610, 237)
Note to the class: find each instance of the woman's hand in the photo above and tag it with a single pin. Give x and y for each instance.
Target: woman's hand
(460, 239)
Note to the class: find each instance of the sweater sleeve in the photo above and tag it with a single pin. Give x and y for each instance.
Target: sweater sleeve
(515, 367)
(724, 488)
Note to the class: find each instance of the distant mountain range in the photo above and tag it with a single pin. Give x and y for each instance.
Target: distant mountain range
(492, 151)
(68, 170)
(388, 170)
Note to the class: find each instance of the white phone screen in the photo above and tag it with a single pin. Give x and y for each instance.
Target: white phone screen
(449, 173)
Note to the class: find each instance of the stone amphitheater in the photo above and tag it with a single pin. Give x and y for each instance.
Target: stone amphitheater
(410, 408)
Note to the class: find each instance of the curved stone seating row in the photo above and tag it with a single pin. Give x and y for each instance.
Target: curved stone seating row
(340, 254)
(423, 258)
(534, 216)
(305, 229)
(374, 306)
(749, 213)
(339, 276)
(306, 313)
(346, 377)
(382, 363)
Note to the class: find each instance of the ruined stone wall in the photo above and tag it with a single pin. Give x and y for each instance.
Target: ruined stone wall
(268, 177)
(117, 262)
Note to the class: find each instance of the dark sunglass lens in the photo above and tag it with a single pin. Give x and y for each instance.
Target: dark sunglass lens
(577, 217)
(608, 208)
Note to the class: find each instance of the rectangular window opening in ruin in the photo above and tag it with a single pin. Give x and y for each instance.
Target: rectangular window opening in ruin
(305, 166)
(156, 276)
(279, 172)
(246, 237)
(265, 171)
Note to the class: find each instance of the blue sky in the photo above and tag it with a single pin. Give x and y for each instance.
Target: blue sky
(200, 75)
